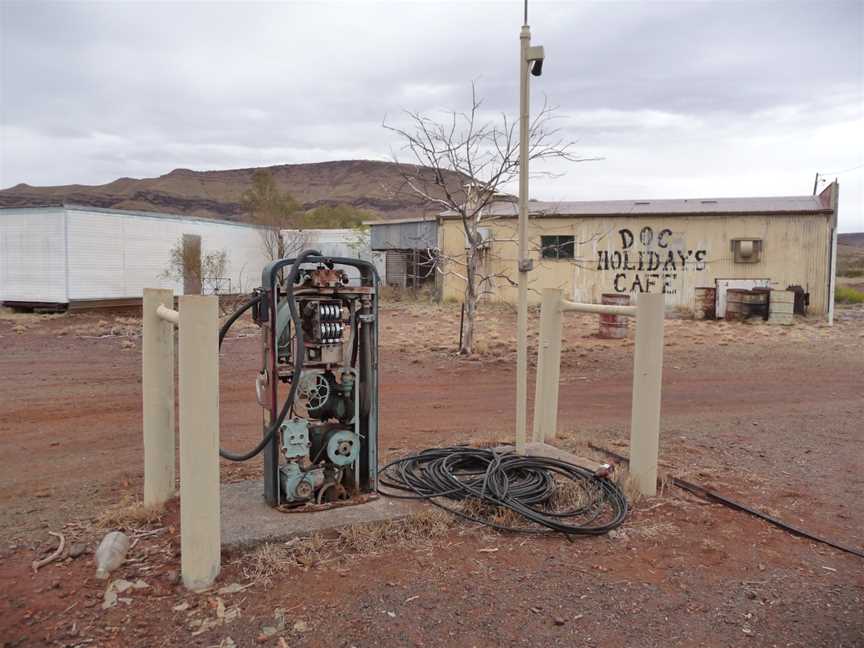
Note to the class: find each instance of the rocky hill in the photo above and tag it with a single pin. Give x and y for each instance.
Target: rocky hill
(850, 255)
(377, 187)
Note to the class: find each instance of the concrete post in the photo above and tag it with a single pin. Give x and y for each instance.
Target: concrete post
(548, 367)
(647, 376)
(157, 387)
(200, 534)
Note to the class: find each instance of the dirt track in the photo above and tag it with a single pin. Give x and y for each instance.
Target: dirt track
(772, 416)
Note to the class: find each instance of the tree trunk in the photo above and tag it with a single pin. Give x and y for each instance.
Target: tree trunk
(471, 299)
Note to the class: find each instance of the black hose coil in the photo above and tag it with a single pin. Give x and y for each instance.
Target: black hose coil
(527, 485)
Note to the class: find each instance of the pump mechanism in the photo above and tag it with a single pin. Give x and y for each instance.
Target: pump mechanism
(318, 383)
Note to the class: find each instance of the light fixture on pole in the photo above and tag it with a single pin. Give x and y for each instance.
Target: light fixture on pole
(530, 60)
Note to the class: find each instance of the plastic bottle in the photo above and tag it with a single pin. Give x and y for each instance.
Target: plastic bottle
(111, 553)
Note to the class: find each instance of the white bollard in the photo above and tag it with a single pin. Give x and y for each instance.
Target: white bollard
(157, 387)
(548, 367)
(647, 378)
(200, 532)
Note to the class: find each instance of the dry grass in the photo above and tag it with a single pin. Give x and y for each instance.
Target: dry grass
(570, 495)
(418, 530)
(129, 513)
(12, 315)
(628, 484)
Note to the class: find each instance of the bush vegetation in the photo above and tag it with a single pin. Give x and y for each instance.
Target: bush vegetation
(848, 295)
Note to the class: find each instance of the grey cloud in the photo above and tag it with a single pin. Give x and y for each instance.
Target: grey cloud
(131, 89)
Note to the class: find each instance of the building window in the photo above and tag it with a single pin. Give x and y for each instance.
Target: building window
(556, 247)
(747, 250)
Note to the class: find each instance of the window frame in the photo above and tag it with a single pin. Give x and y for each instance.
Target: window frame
(552, 251)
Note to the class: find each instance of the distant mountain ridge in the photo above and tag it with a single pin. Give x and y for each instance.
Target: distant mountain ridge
(377, 187)
(854, 239)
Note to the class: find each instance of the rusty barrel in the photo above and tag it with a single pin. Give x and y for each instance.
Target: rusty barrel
(736, 308)
(705, 303)
(613, 326)
(758, 302)
(742, 304)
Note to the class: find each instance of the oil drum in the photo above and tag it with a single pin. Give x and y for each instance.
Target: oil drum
(613, 326)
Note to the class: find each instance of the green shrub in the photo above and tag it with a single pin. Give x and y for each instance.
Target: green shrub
(848, 295)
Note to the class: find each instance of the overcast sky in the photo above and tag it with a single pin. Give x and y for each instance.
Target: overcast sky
(682, 99)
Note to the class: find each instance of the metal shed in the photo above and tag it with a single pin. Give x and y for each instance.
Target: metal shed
(408, 234)
(410, 247)
(79, 256)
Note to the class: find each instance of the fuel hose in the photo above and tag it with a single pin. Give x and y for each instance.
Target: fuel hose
(299, 356)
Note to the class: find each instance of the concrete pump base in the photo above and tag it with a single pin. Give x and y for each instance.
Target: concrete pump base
(247, 520)
(539, 449)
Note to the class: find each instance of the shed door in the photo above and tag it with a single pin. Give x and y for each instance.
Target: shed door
(397, 268)
(725, 284)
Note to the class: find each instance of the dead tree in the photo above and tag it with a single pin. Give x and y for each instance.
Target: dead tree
(485, 152)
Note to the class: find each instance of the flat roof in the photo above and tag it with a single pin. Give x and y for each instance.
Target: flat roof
(778, 205)
(400, 221)
(130, 212)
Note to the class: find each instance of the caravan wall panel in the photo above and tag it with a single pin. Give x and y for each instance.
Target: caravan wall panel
(117, 255)
(33, 255)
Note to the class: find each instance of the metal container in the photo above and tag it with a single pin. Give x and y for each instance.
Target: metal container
(705, 307)
(613, 327)
(736, 307)
(781, 307)
(802, 299)
(758, 302)
(743, 304)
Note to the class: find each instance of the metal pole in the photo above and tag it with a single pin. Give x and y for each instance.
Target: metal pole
(524, 264)
(647, 377)
(832, 265)
(200, 532)
(157, 388)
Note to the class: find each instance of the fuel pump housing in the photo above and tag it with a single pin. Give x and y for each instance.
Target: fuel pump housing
(318, 383)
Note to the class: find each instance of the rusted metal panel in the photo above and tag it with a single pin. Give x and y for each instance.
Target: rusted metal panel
(705, 304)
(736, 310)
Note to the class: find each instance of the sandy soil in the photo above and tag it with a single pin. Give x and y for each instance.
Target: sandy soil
(771, 415)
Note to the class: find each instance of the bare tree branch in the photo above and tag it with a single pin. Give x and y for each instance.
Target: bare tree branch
(484, 154)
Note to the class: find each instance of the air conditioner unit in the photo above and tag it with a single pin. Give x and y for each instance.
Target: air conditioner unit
(747, 250)
(485, 234)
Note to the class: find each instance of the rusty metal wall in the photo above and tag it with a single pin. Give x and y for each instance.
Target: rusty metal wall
(413, 235)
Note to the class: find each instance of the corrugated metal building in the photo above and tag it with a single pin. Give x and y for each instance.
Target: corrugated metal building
(409, 249)
(82, 255)
(667, 246)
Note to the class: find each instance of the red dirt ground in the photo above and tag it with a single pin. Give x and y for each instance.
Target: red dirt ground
(773, 416)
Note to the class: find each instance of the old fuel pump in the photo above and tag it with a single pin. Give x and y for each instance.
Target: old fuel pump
(318, 382)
